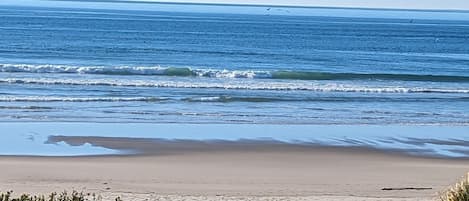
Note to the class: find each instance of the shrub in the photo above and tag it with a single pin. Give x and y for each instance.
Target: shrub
(64, 196)
(458, 192)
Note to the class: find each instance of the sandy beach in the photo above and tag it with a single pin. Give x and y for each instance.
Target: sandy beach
(195, 170)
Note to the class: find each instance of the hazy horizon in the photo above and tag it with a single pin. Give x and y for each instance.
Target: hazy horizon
(385, 4)
(375, 4)
(208, 6)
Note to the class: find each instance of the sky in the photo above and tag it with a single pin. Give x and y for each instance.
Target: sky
(395, 4)
(388, 4)
(265, 10)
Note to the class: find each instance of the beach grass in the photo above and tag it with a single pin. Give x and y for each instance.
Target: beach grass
(458, 192)
(64, 196)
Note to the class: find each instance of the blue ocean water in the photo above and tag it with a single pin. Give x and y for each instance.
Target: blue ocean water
(142, 66)
(135, 66)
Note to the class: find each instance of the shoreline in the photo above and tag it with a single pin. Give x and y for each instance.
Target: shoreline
(74, 139)
(226, 172)
(137, 147)
(241, 165)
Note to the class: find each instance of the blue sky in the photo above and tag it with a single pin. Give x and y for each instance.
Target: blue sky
(399, 4)
(402, 4)
(389, 4)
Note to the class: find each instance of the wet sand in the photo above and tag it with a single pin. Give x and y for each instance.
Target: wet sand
(244, 170)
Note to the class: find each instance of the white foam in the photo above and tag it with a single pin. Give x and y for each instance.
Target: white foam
(231, 74)
(73, 99)
(246, 85)
(47, 68)
(129, 70)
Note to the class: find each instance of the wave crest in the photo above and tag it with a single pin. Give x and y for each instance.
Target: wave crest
(303, 86)
(77, 99)
(214, 73)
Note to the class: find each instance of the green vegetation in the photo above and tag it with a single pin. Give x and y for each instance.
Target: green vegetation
(64, 196)
(458, 192)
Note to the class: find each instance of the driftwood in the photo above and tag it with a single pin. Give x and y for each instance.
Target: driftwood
(403, 189)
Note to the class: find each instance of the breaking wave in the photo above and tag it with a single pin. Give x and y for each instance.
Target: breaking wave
(214, 73)
(304, 86)
(75, 99)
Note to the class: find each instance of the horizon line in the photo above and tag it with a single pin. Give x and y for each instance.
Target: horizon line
(267, 5)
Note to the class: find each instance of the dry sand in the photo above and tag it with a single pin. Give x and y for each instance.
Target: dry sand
(189, 170)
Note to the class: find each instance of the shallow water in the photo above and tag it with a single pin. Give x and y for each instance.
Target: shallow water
(435, 141)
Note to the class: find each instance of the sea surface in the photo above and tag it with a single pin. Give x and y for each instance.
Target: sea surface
(88, 65)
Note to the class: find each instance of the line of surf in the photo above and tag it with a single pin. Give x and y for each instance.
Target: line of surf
(234, 85)
(223, 73)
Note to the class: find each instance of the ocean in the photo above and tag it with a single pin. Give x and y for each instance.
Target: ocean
(108, 66)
